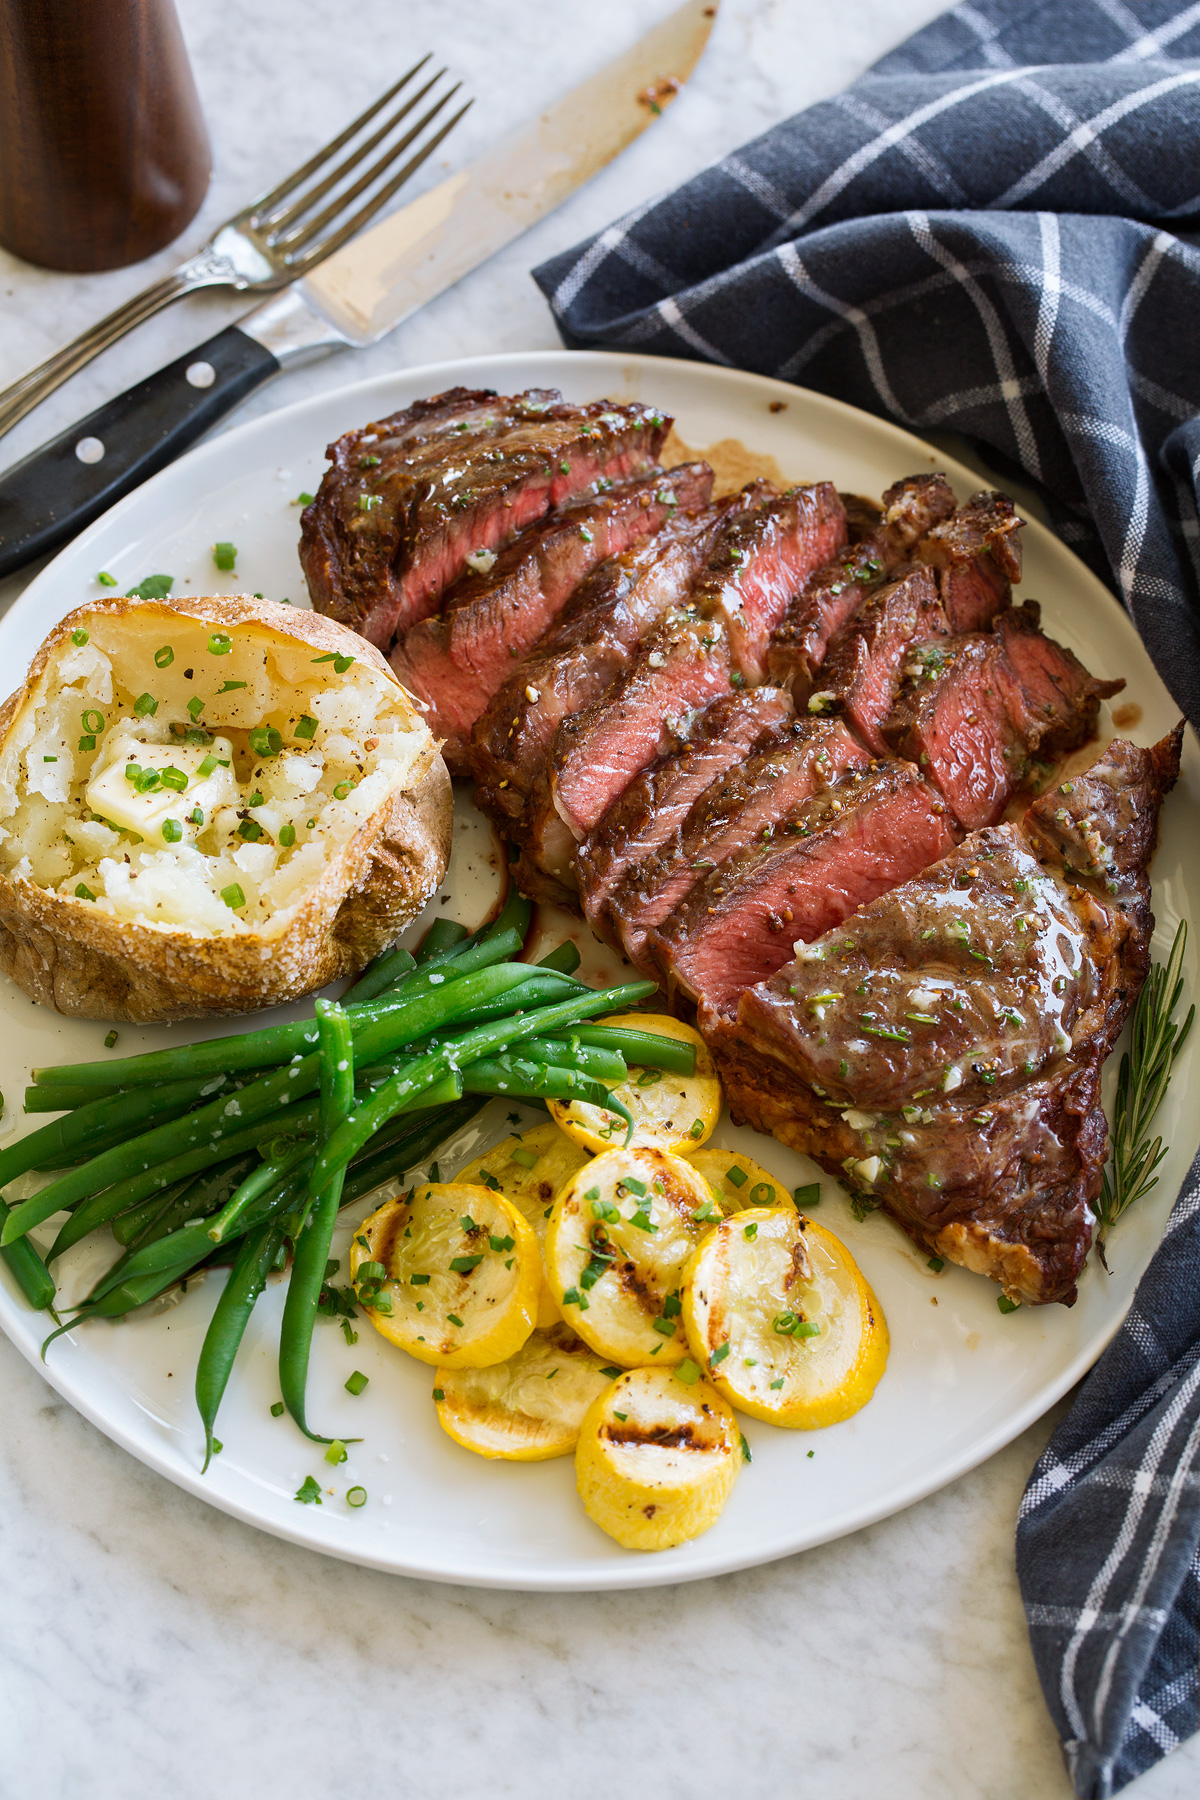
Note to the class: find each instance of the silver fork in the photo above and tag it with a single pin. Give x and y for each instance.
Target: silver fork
(273, 241)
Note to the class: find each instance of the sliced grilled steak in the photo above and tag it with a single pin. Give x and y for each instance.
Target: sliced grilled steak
(738, 924)
(764, 557)
(771, 788)
(683, 664)
(863, 516)
(977, 555)
(976, 712)
(942, 1051)
(655, 804)
(1054, 699)
(834, 594)
(456, 661)
(410, 497)
(863, 670)
(570, 669)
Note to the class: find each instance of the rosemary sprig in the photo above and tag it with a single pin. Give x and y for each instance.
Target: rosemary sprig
(1141, 1085)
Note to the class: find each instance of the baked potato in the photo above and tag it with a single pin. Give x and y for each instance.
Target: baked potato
(209, 806)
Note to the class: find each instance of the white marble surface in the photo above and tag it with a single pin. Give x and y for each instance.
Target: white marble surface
(151, 1645)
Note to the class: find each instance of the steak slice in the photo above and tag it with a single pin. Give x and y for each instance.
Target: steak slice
(410, 497)
(683, 664)
(804, 758)
(656, 802)
(570, 669)
(834, 594)
(1052, 695)
(942, 1051)
(977, 555)
(766, 554)
(977, 712)
(738, 924)
(456, 661)
(864, 668)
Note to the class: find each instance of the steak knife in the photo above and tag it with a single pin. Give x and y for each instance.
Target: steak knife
(355, 297)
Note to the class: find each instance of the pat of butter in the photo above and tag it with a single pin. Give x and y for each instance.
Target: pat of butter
(209, 777)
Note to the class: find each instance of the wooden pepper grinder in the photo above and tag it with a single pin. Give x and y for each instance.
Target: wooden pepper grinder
(104, 157)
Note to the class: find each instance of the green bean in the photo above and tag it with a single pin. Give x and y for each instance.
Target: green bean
(268, 1173)
(568, 1053)
(311, 1251)
(443, 935)
(643, 1049)
(115, 1305)
(410, 1082)
(387, 1156)
(74, 1132)
(378, 976)
(513, 1076)
(29, 1271)
(195, 1197)
(565, 959)
(106, 1204)
(515, 915)
(279, 1043)
(254, 1262)
(181, 1251)
(63, 1098)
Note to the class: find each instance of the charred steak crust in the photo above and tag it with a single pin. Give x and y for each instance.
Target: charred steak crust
(594, 641)
(408, 498)
(977, 555)
(833, 594)
(863, 670)
(458, 659)
(942, 1051)
(656, 802)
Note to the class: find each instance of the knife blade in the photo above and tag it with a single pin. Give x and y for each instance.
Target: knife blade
(354, 298)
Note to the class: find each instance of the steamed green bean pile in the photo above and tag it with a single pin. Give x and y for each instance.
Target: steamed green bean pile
(244, 1148)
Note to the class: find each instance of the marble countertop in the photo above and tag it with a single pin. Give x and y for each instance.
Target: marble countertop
(152, 1645)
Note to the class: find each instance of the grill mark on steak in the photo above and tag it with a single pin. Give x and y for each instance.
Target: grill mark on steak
(975, 712)
(657, 801)
(835, 854)
(977, 555)
(764, 557)
(457, 661)
(804, 758)
(408, 498)
(863, 670)
(594, 641)
(962, 1090)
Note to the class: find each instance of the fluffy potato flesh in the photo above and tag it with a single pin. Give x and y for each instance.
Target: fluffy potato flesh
(657, 1459)
(461, 1274)
(261, 756)
(778, 1313)
(618, 1240)
(215, 772)
(529, 1408)
(672, 1112)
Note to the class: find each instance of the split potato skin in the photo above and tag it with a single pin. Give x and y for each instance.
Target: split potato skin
(72, 955)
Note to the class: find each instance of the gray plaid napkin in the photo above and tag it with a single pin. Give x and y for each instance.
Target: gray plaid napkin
(994, 231)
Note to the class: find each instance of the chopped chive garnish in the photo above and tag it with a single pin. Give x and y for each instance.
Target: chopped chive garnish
(462, 1265)
(255, 799)
(171, 777)
(233, 896)
(87, 742)
(593, 1193)
(79, 637)
(937, 1264)
(696, 1129)
(306, 727)
(145, 706)
(414, 1280)
(634, 1186)
(454, 1320)
(287, 836)
(195, 706)
(308, 1493)
(225, 555)
(110, 1039)
(250, 830)
(228, 687)
(344, 789)
(337, 1452)
(747, 1455)
(439, 1393)
(738, 1176)
(219, 643)
(105, 579)
(83, 892)
(526, 1158)
(810, 1195)
(612, 1372)
(719, 1354)
(93, 721)
(1006, 1305)
(265, 740)
(164, 657)
(277, 1410)
(750, 1232)
(356, 1496)
(303, 499)
(172, 831)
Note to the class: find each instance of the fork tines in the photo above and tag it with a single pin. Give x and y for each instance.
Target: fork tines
(284, 223)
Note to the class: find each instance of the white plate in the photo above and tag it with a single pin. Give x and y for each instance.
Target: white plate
(962, 1380)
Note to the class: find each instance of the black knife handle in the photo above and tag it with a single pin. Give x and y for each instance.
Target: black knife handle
(53, 492)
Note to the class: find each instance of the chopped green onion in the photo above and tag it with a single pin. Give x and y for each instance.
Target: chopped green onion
(164, 657)
(303, 499)
(719, 1354)
(196, 815)
(809, 1195)
(688, 1372)
(105, 579)
(172, 831)
(250, 830)
(219, 643)
(233, 896)
(265, 740)
(937, 1264)
(228, 687)
(696, 1129)
(750, 1232)
(145, 706)
(277, 1410)
(93, 721)
(195, 706)
(79, 637)
(306, 727)
(83, 892)
(110, 1039)
(738, 1176)
(287, 836)
(528, 1160)
(225, 556)
(356, 1496)
(343, 790)
(337, 1452)
(454, 1320)
(87, 742)
(171, 777)
(1006, 1305)
(762, 1194)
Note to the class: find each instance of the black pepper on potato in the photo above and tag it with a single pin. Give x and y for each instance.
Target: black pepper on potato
(209, 806)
